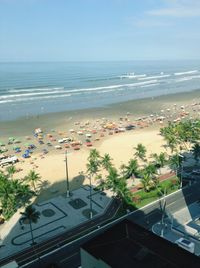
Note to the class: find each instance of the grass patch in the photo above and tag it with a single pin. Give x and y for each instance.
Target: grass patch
(142, 198)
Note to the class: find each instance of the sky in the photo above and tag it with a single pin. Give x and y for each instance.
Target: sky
(99, 30)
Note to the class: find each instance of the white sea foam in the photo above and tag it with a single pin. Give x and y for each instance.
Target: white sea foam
(151, 85)
(31, 94)
(35, 89)
(188, 72)
(183, 79)
(187, 78)
(35, 98)
(112, 86)
(132, 76)
(155, 77)
(52, 94)
(6, 101)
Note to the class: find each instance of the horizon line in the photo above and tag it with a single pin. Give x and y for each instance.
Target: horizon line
(82, 61)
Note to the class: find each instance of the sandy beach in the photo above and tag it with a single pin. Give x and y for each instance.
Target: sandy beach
(98, 127)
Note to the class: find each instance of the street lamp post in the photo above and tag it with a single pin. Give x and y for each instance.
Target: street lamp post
(67, 176)
(181, 165)
(91, 214)
(163, 213)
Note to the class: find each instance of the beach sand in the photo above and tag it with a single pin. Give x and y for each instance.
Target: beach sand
(120, 146)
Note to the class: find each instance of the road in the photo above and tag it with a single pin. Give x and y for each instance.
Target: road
(174, 202)
(68, 255)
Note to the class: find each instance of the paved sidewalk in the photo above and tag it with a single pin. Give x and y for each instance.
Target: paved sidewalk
(181, 221)
(57, 215)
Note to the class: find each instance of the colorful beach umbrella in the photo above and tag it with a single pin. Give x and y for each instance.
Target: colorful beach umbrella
(16, 147)
(17, 141)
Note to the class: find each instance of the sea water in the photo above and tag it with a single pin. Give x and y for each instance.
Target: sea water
(36, 88)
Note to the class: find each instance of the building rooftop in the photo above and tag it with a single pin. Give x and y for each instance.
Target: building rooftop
(130, 245)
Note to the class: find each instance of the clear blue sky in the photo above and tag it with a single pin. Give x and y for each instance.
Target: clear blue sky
(67, 30)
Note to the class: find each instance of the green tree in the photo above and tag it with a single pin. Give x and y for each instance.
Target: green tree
(175, 162)
(13, 194)
(11, 171)
(132, 169)
(32, 216)
(150, 170)
(160, 160)
(196, 151)
(93, 165)
(145, 180)
(118, 185)
(33, 178)
(140, 151)
(106, 161)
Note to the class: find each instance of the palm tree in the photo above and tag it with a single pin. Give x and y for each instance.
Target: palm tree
(196, 151)
(33, 178)
(132, 169)
(148, 176)
(140, 151)
(174, 162)
(170, 136)
(23, 194)
(146, 182)
(11, 170)
(150, 170)
(94, 155)
(92, 169)
(118, 185)
(160, 160)
(32, 216)
(106, 161)
(123, 170)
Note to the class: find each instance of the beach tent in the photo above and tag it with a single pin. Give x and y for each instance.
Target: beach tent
(38, 131)
(17, 141)
(16, 147)
(58, 147)
(88, 144)
(25, 155)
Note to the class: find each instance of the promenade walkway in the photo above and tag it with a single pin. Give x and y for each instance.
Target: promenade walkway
(57, 215)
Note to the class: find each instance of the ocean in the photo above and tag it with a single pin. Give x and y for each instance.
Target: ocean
(31, 89)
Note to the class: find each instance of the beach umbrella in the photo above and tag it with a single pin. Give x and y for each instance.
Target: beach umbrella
(25, 155)
(11, 138)
(16, 147)
(1, 144)
(17, 141)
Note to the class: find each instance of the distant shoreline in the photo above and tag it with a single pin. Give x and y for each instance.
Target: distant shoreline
(58, 120)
